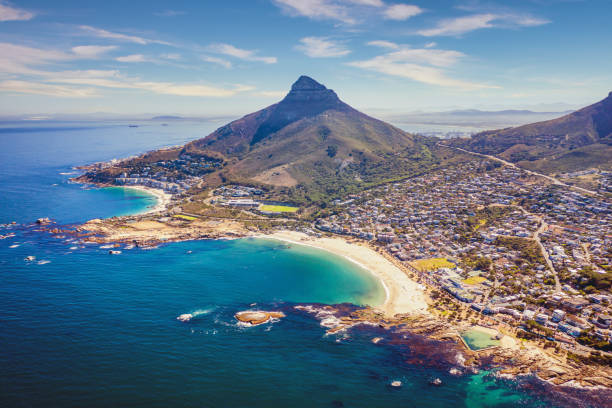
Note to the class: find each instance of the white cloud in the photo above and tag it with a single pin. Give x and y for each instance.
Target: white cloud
(171, 56)
(18, 61)
(169, 88)
(14, 86)
(402, 11)
(272, 94)
(346, 11)
(383, 44)
(438, 58)
(114, 79)
(101, 33)
(322, 47)
(92, 51)
(23, 60)
(462, 25)
(247, 55)
(132, 58)
(421, 65)
(8, 13)
(373, 3)
(431, 44)
(216, 60)
(316, 9)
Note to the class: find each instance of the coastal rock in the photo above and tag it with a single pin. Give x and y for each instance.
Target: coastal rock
(185, 317)
(454, 371)
(256, 317)
(44, 221)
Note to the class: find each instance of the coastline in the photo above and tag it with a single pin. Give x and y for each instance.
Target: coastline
(405, 303)
(402, 294)
(163, 198)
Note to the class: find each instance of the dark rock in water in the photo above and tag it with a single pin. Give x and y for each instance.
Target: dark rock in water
(44, 221)
(436, 381)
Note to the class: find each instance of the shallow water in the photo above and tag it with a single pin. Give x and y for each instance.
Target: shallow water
(478, 339)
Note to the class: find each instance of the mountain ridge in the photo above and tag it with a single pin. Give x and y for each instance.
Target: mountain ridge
(575, 141)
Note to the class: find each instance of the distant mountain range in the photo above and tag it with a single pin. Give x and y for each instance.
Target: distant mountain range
(576, 141)
(473, 118)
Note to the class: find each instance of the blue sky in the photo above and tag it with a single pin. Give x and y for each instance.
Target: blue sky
(233, 57)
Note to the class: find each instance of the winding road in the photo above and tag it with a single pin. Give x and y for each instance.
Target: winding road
(533, 173)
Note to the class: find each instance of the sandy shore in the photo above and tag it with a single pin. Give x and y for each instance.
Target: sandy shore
(163, 198)
(403, 294)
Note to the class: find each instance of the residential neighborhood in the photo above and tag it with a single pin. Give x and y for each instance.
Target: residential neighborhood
(516, 247)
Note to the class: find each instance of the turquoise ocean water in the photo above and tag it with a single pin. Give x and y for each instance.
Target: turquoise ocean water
(88, 329)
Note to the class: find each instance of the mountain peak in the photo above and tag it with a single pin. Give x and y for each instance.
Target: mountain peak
(306, 83)
(307, 98)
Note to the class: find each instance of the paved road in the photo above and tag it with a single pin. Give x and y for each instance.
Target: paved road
(536, 237)
(507, 163)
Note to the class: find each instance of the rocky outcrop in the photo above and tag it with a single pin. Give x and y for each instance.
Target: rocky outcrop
(256, 317)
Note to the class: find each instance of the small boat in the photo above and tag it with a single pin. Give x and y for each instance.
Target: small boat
(106, 246)
(436, 382)
(43, 262)
(114, 252)
(396, 383)
(30, 258)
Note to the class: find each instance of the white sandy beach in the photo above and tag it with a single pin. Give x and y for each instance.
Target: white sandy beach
(163, 198)
(403, 294)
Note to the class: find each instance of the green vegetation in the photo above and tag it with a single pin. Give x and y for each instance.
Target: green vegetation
(277, 208)
(431, 264)
(594, 280)
(332, 150)
(185, 217)
(474, 280)
(529, 249)
(474, 261)
(593, 358)
(588, 339)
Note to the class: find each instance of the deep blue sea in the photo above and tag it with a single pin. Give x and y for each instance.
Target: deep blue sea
(88, 329)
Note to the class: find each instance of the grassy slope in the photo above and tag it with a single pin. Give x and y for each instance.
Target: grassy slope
(334, 154)
(580, 140)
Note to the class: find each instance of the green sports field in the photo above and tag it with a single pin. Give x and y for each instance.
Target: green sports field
(277, 208)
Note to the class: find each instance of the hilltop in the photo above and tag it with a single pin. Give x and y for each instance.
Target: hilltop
(314, 144)
(576, 141)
